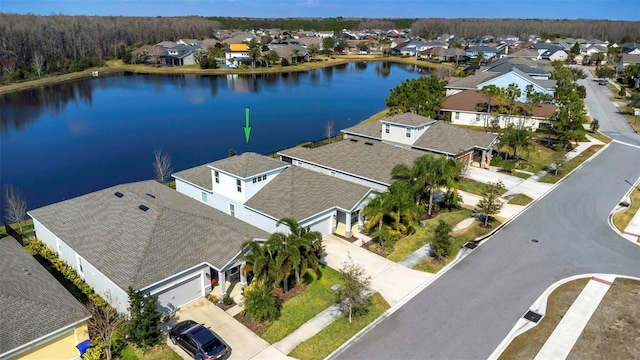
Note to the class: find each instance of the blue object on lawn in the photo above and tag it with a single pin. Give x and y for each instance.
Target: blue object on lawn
(84, 346)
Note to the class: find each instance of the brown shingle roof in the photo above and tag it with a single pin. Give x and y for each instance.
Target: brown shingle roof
(372, 162)
(372, 129)
(448, 139)
(300, 193)
(247, 164)
(199, 175)
(468, 100)
(409, 119)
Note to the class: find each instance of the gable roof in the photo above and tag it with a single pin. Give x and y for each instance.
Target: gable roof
(301, 193)
(138, 248)
(451, 140)
(371, 129)
(545, 84)
(471, 81)
(33, 303)
(247, 164)
(238, 47)
(368, 159)
(199, 175)
(468, 100)
(407, 119)
(630, 58)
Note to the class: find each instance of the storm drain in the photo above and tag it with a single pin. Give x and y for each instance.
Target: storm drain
(532, 316)
(535, 240)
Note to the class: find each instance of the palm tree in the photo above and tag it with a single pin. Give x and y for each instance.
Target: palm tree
(516, 140)
(402, 202)
(377, 208)
(254, 53)
(295, 53)
(491, 92)
(287, 259)
(385, 45)
(512, 94)
(307, 243)
(257, 260)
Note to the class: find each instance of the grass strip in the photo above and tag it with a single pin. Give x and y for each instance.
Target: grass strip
(520, 199)
(570, 165)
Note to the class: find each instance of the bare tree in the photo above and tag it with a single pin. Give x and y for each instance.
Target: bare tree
(356, 291)
(15, 206)
(162, 166)
(104, 320)
(328, 129)
(38, 62)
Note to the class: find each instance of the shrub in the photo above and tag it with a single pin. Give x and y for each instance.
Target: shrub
(227, 299)
(284, 62)
(622, 92)
(260, 302)
(94, 353)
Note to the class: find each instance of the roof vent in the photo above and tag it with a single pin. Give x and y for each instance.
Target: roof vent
(143, 207)
(368, 143)
(353, 140)
(118, 194)
(151, 195)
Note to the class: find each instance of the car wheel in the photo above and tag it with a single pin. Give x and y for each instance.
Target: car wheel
(173, 340)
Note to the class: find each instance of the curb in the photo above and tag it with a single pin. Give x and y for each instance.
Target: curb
(618, 208)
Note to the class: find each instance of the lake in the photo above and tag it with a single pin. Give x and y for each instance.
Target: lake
(61, 141)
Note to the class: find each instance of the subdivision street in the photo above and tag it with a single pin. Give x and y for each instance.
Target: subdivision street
(469, 310)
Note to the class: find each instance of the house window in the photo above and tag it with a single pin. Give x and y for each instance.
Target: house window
(408, 133)
(457, 115)
(239, 185)
(217, 176)
(80, 269)
(387, 128)
(264, 177)
(232, 210)
(203, 196)
(477, 117)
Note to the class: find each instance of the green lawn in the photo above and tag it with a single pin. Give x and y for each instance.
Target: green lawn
(28, 231)
(376, 116)
(600, 136)
(316, 298)
(429, 265)
(159, 352)
(520, 199)
(334, 335)
(633, 119)
(472, 186)
(521, 175)
(623, 217)
(413, 242)
(537, 158)
(570, 165)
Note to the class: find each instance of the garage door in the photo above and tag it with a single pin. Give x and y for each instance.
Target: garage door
(323, 226)
(180, 294)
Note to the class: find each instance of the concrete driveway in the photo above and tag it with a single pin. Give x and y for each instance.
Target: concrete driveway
(391, 280)
(245, 344)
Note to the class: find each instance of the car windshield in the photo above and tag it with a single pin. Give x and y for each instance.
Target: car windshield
(212, 346)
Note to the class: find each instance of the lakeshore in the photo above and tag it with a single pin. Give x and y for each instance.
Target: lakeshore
(115, 66)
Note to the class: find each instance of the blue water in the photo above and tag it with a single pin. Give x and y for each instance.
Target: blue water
(66, 140)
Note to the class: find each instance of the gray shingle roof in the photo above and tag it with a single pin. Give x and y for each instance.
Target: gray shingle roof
(138, 248)
(372, 129)
(373, 162)
(31, 306)
(470, 82)
(247, 164)
(199, 175)
(300, 193)
(446, 138)
(409, 119)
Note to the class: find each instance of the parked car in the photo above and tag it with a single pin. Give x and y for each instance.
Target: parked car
(602, 82)
(199, 341)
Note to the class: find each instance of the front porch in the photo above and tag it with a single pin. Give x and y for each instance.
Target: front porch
(348, 224)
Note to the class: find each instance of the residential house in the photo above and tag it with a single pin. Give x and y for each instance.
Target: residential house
(40, 318)
(523, 53)
(239, 38)
(488, 52)
(293, 53)
(471, 108)
(237, 54)
(148, 54)
(260, 190)
(555, 54)
(323, 34)
(189, 42)
(149, 237)
(630, 48)
(179, 55)
(626, 60)
(456, 55)
(167, 44)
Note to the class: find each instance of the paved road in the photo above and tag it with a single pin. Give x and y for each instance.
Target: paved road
(600, 106)
(467, 312)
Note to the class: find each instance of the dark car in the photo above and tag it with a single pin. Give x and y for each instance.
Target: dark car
(602, 82)
(199, 341)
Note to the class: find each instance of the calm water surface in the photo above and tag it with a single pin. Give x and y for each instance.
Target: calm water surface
(62, 141)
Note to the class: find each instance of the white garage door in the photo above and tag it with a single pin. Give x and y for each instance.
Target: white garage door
(181, 293)
(323, 226)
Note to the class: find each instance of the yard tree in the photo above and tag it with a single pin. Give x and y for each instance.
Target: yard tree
(385, 46)
(575, 49)
(329, 129)
(254, 53)
(441, 241)
(512, 93)
(594, 125)
(15, 209)
(103, 322)
(258, 260)
(559, 159)
(491, 92)
(271, 57)
(490, 204)
(604, 72)
(363, 46)
(405, 211)
(143, 325)
(327, 45)
(313, 50)
(516, 140)
(295, 53)
(260, 302)
(161, 166)
(422, 96)
(340, 46)
(356, 290)
(377, 208)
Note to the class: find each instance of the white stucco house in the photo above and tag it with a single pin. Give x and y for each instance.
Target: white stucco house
(260, 191)
(470, 108)
(147, 236)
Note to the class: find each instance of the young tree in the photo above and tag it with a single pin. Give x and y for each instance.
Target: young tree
(385, 46)
(327, 45)
(491, 92)
(260, 302)
(559, 158)
(512, 93)
(38, 62)
(15, 209)
(103, 322)
(490, 204)
(355, 292)
(271, 57)
(162, 166)
(143, 325)
(634, 101)
(594, 126)
(254, 53)
(441, 241)
(328, 130)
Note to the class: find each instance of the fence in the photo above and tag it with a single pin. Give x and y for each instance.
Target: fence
(13, 232)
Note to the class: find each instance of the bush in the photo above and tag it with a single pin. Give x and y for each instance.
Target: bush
(622, 92)
(261, 303)
(94, 353)
(284, 62)
(227, 299)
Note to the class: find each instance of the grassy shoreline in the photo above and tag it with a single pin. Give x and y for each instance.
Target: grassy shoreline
(114, 66)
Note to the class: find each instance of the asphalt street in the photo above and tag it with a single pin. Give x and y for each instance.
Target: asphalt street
(469, 310)
(601, 107)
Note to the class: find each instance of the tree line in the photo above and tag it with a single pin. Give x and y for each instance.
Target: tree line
(334, 24)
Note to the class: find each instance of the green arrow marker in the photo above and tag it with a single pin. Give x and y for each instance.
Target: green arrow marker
(247, 127)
